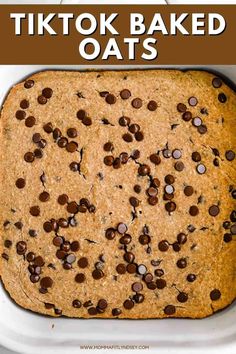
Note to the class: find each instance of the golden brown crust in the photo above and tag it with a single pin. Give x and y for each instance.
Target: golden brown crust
(207, 254)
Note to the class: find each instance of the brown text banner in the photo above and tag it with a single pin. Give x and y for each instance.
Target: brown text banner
(117, 34)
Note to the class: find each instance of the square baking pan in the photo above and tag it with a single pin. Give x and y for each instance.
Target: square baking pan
(28, 333)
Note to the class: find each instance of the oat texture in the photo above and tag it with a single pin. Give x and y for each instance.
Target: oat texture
(118, 194)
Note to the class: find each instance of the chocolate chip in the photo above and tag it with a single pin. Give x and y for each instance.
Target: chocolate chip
(188, 191)
(72, 146)
(24, 104)
(87, 121)
(142, 269)
(135, 154)
(34, 278)
(125, 240)
(216, 82)
(159, 272)
(163, 246)
(46, 282)
(233, 229)
(187, 116)
(76, 304)
(58, 241)
(182, 297)
(144, 239)
(176, 246)
(166, 153)
(97, 274)
(29, 157)
(72, 208)
(110, 234)
(116, 312)
(227, 238)
(129, 257)
(102, 304)
(196, 157)
(152, 192)
(134, 128)
(124, 121)
(160, 283)
(181, 107)
(116, 163)
(80, 278)
(108, 146)
(74, 246)
(70, 258)
(65, 246)
(202, 129)
(62, 142)
(181, 238)
(152, 106)
(233, 216)
(222, 97)
(58, 312)
(48, 128)
(215, 294)
(131, 268)
(181, 263)
(121, 228)
(137, 103)
(137, 287)
(179, 166)
(192, 101)
(39, 261)
(29, 84)
(191, 278)
(134, 202)
(18, 225)
(176, 154)
(20, 183)
(128, 304)
(48, 226)
(83, 262)
(7, 243)
(155, 158)
(193, 210)
(170, 206)
(33, 233)
(35, 210)
(148, 278)
(20, 115)
(214, 210)
(201, 169)
(144, 170)
(74, 166)
(125, 94)
(121, 268)
(138, 298)
(47, 92)
(124, 157)
(169, 310)
(38, 153)
(230, 155)
(42, 100)
(197, 122)
(169, 179)
(5, 256)
(44, 196)
(127, 137)
(21, 247)
(152, 285)
(108, 160)
(110, 99)
(62, 199)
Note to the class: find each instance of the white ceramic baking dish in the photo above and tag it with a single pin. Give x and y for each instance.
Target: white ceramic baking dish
(28, 333)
